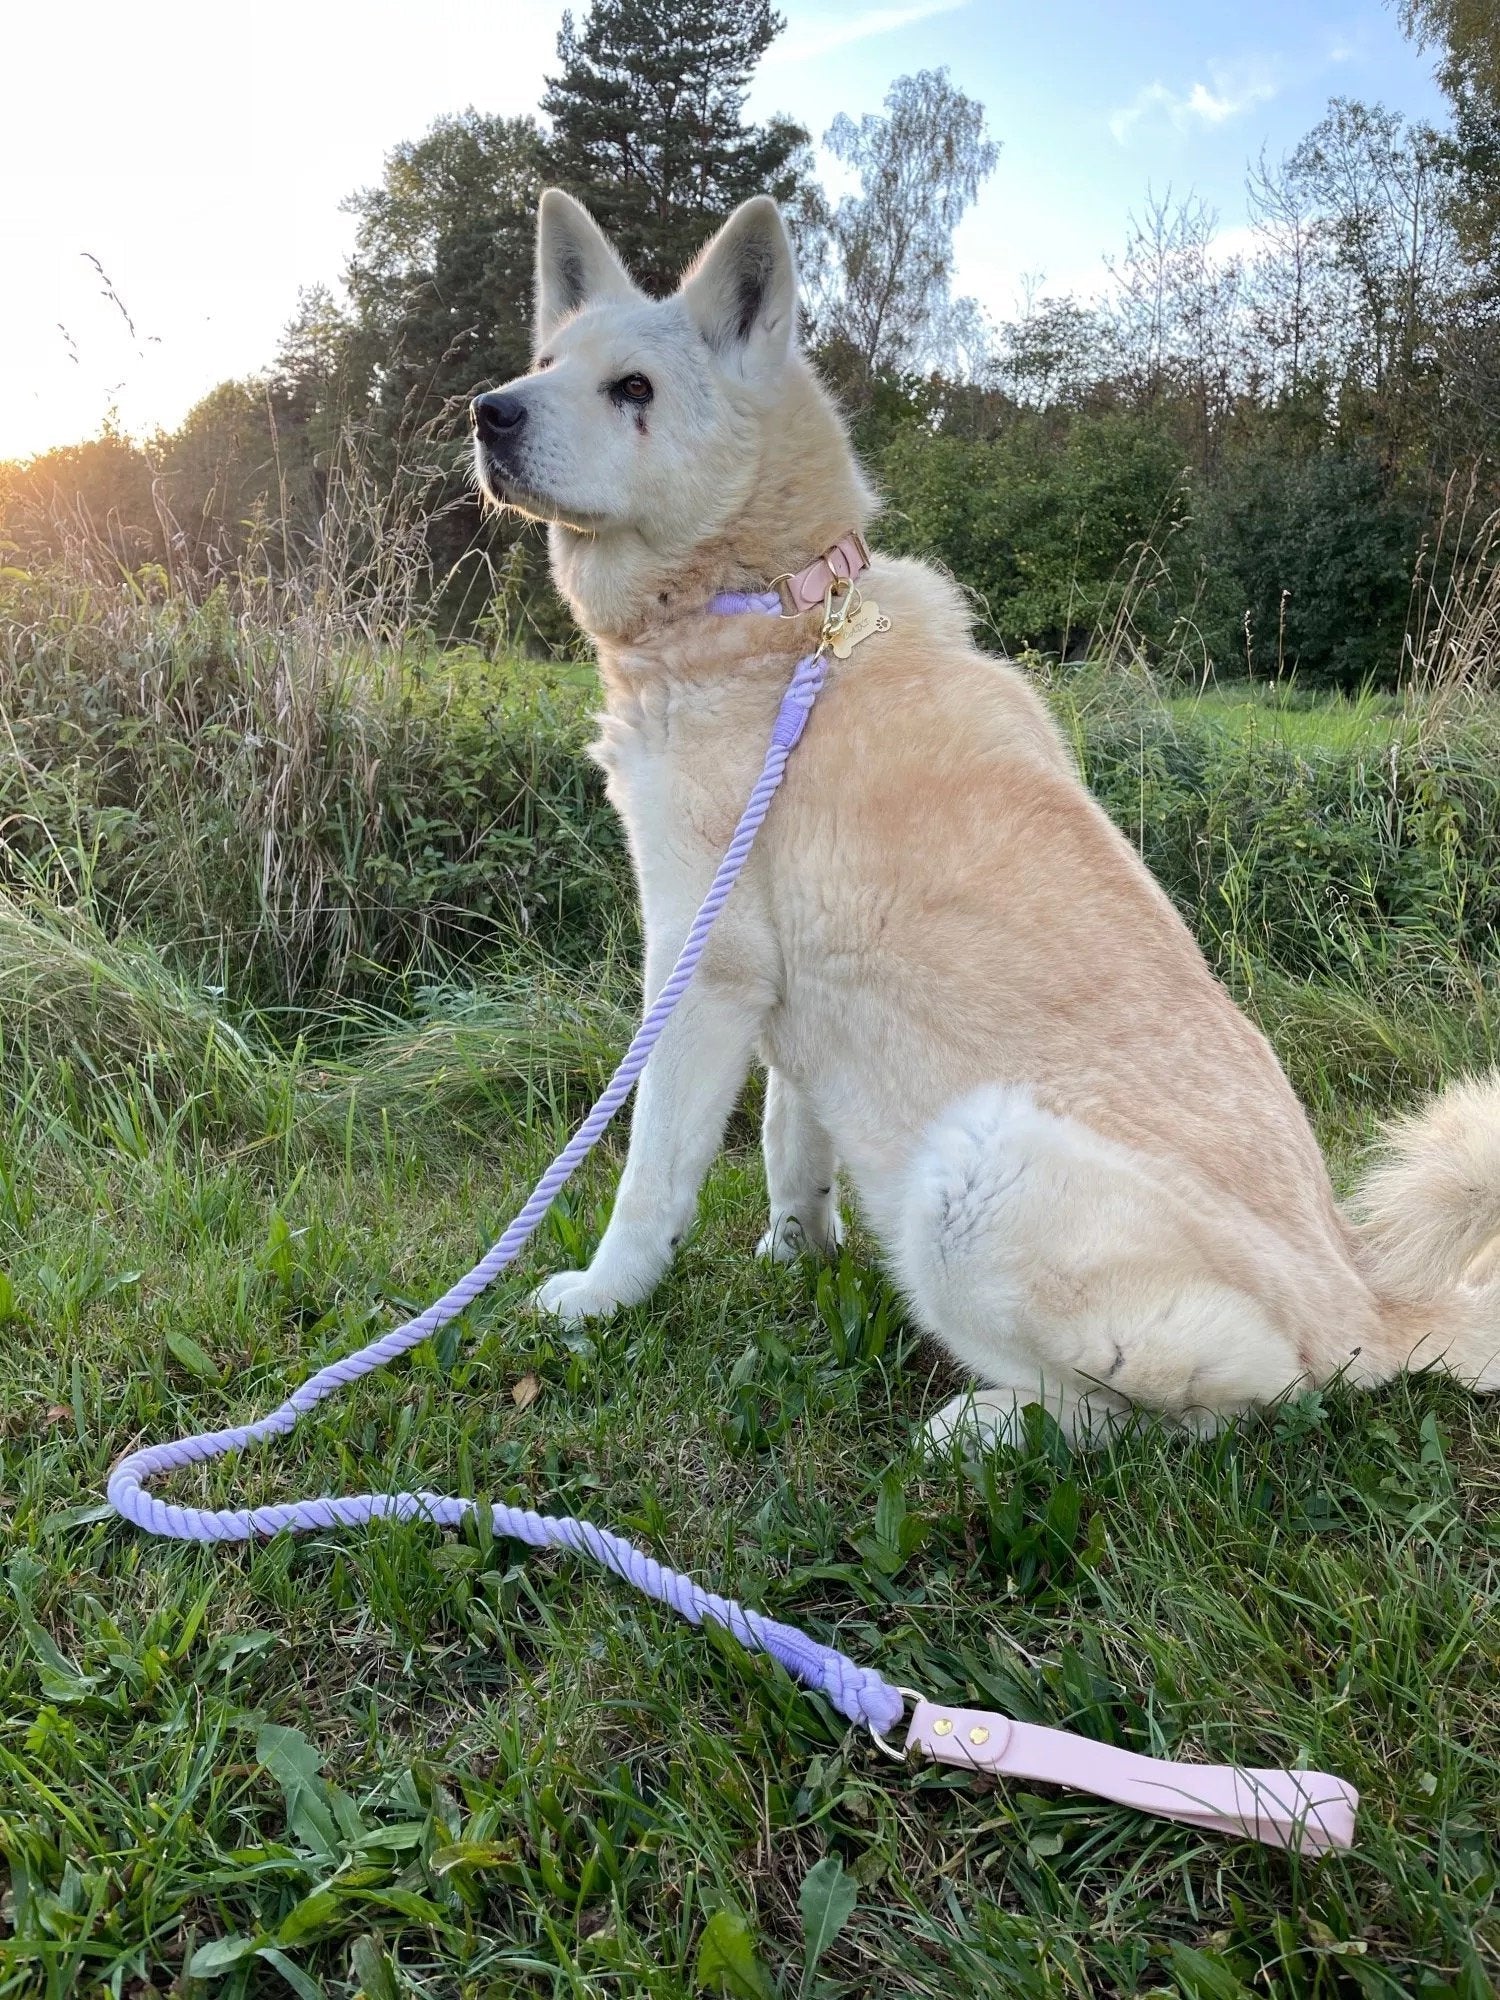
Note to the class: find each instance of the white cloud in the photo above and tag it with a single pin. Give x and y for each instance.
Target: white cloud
(1236, 239)
(807, 43)
(1203, 105)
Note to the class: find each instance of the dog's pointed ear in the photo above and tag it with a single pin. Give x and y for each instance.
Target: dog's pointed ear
(576, 264)
(742, 292)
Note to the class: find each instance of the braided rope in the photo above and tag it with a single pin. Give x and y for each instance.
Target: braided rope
(856, 1692)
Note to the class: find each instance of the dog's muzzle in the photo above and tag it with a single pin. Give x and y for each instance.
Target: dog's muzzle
(499, 422)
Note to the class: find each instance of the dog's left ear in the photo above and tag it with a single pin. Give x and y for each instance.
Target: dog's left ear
(742, 292)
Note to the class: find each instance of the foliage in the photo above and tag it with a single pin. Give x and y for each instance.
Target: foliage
(1228, 460)
(1042, 527)
(490, 1771)
(295, 816)
(248, 793)
(1373, 860)
(1173, 333)
(1468, 34)
(920, 167)
(489, 1768)
(100, 492)
(1386, 254)
(647, 124)
(440, 278)
(1314, 550)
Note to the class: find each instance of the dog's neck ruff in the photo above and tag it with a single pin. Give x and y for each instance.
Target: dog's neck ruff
(1304, 1810)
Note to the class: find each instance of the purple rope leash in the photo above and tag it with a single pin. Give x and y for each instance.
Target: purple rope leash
(856, 1692)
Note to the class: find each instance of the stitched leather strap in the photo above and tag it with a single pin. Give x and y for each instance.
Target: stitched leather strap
(1305, 1810)
(806, 589)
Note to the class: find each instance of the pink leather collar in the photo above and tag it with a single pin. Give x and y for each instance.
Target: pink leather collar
(806, 589)
(1305, 1810)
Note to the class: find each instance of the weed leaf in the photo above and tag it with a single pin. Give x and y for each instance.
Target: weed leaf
(827, 1899)
(727, 1961)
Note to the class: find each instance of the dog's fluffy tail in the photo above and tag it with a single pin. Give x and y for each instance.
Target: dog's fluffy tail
(1428, 1217)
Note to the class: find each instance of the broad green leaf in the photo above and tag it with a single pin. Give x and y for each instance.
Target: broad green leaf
(727, 1960)
(302, 1983)
(77, 1517)
(473, 1854)
(1205, 1975)
(314, 1913)
(61, 1680)
(890, 1509)
(827, 1900)
(189, 1355)
(406, 1903)
(395, 1838)
(294, 1763)
(233, 1646)
(371, 1965)
(218, 1955)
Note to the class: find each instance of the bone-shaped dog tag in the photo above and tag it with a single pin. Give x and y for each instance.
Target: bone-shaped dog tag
(859, 625)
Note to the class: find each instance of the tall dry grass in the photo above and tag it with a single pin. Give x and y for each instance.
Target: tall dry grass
(295, 799)
(1451, 649)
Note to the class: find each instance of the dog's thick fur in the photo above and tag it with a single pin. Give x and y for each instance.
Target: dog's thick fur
(1085, 1165)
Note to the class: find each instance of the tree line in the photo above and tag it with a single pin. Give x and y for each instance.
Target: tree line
(1246, 462)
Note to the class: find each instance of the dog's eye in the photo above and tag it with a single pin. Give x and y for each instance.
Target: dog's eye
(633, 389)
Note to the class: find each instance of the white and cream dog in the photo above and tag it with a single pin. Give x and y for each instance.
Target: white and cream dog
(975, 1005)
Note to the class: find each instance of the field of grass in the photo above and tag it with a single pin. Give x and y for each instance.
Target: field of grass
(1302, 721)
(398, 1763)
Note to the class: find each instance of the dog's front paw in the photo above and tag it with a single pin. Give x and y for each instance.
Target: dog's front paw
(574, 1295)
(787, 1240)
(977, 1420)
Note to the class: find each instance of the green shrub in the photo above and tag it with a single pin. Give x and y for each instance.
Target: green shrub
(295, 819)
(1316, 551)
(1047, 532)
(1376, 860)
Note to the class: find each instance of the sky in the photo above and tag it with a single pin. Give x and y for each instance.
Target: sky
(171, 173)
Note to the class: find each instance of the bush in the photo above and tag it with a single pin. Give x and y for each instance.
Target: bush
(1046, 532)
(303, 817)
(1317, 550)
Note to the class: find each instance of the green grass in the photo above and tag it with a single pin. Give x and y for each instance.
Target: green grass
(1288, 715)
(398, 1763)
(401, 1763)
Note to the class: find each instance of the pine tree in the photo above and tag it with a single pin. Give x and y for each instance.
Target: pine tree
(647, 124)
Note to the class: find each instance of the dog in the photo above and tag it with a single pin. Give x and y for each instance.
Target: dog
(1084, 1165)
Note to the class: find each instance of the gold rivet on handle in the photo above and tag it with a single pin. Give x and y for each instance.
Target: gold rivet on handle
(979, 1734)
(943, 1726)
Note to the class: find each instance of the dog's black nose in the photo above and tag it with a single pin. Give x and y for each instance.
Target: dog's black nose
(496, 415)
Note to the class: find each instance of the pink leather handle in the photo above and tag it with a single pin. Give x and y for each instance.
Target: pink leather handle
(1304, 1810)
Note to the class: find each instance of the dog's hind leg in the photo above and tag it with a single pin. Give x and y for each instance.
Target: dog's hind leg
(801, 1175)
(1065, 1269)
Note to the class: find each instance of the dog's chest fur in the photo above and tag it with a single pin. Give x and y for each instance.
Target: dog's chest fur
(679, 759)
